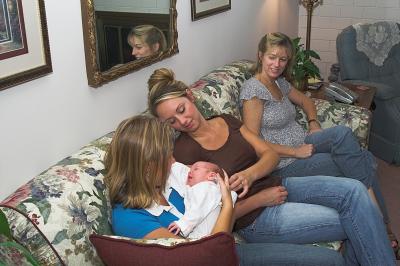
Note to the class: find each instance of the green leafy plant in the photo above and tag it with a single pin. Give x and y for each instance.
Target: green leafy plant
(11, 252)
(303, 67)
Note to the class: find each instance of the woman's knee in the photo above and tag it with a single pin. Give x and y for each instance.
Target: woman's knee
(355, 187)
(343, 131)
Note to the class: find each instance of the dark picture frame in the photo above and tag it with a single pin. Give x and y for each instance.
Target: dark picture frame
(205, 8)
(33, 59)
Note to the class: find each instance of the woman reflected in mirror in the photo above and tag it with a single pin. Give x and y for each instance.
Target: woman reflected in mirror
(146, 40)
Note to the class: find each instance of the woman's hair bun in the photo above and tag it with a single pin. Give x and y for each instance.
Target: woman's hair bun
(160, 78)
(162, 86)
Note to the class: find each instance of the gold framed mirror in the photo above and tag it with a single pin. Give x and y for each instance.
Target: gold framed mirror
(107, 31)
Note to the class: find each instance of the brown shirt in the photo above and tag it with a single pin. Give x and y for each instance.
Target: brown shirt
(234, 156)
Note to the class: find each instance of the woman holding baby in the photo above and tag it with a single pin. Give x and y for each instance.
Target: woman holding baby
(144, 187)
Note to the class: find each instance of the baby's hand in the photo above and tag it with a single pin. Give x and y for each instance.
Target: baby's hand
(174, 228)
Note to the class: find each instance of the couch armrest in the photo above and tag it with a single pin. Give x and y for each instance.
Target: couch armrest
(54, 213)
(333, 113)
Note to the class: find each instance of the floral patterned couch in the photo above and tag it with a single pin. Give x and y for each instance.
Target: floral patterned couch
(53, 214)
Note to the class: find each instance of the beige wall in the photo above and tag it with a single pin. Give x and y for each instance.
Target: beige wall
(47, 119)
(280, 15)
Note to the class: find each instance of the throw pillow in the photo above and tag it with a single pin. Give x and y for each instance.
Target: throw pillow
(217, 249)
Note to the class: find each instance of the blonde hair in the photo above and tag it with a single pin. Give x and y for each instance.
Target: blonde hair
(274, 39)
(163, 86)
(150, 34)
(137, 161)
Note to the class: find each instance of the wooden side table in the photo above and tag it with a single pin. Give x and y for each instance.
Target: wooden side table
(365, 99)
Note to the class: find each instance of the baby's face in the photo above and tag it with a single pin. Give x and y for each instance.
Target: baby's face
(199, 172)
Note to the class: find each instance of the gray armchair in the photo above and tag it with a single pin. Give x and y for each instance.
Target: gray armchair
(377, 65)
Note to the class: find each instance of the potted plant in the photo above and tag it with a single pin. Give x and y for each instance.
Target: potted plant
(11, 252)
(303, 67)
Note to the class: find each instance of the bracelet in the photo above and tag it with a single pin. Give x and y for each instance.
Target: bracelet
(313, 120)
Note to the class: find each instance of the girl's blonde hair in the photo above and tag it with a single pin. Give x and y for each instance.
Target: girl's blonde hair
(163, 86)
(138, 161)
(149, 34)
(274, 39)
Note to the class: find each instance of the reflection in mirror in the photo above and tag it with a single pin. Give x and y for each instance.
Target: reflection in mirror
(122, 36)
(146, 40)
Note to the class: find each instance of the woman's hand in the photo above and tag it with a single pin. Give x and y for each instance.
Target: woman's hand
(240, 181)
(303, 151)
(272, 196)
(226, 197)
(224, 222)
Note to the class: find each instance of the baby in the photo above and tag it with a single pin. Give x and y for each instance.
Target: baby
(202, 199)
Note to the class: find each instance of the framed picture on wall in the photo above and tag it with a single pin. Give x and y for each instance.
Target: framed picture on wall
(12, 29)
(205, 8)
(24, 42)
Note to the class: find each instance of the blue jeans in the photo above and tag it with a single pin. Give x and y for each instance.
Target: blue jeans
(324, 208)
(338, 153)
(256, 254)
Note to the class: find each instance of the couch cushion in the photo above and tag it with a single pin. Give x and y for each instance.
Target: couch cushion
(333, 113)
(218, 92)
(55, 212)
(217, 249)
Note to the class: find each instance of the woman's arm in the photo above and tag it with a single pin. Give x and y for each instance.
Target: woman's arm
(253, 110)
(268, 159)
(308, 107)
(160, 233)
(265, 198)
(224, 222)
(252, 115)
